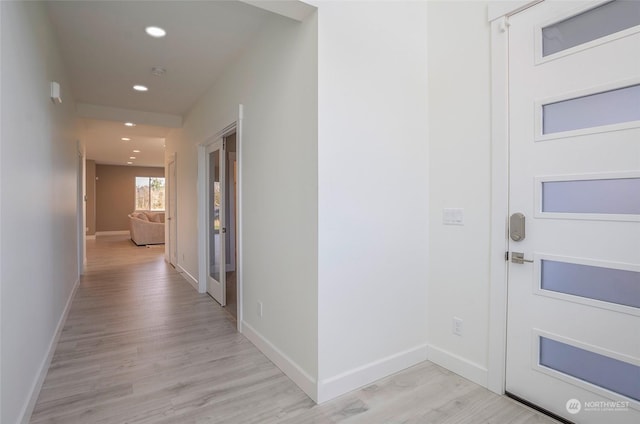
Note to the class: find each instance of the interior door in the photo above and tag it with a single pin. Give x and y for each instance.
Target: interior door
(216, 231)
(171, 209)
(573, 338)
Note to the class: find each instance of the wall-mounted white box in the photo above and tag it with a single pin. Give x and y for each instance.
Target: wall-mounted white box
(55, 92)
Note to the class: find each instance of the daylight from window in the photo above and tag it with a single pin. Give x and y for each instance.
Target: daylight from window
(150, 193)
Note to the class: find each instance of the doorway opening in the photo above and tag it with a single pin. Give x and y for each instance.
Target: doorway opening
(220, 215)
(231, 218)
(221, 186)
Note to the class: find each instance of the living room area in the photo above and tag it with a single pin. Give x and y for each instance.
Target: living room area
(125, 200)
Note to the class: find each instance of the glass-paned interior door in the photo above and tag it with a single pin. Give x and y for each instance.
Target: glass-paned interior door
(215, 222)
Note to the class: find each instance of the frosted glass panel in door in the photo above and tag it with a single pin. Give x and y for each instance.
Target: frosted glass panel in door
(595, 110)
(606, 196)
(593, 282)
(610, 373)
(214, 215)
(595, 23)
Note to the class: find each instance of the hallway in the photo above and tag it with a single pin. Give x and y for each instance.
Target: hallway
(141, 346)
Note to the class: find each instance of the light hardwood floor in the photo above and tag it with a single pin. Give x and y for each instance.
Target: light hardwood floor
(140, 345)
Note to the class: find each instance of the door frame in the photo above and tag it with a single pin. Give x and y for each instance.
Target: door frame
(231, 199)
(498, 16)
(172, 211)
(81, 208)
(236, 127)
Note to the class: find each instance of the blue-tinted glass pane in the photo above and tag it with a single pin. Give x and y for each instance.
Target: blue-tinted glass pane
(607, 196)
(609, 373)
(596, 23)
(595, 110)
(593, 282)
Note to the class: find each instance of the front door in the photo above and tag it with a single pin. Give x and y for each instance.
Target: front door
(573, 338)
(216, 281)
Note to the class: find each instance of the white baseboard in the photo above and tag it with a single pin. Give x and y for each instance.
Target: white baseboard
(90, 237)
(459, 365)
(112, 233)
(333, 387)
(46, 362)
(190, 278)
(282, 361)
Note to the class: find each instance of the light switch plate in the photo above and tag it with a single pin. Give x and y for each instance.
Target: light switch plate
(453, 216)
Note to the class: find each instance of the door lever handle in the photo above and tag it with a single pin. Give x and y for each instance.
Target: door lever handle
(518, 258)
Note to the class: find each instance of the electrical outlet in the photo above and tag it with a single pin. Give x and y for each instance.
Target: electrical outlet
(457, 326)
(260, 309)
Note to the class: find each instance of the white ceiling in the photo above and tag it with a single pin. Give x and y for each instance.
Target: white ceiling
(106, 51)
(107, 147)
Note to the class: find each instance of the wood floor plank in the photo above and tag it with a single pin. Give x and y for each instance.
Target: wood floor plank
(141, 346)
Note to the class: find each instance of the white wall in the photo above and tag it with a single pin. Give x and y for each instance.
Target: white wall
(276, 81)
(460, 166)
(373, 188)
(1, 303)
(398, 139)
(38, 202)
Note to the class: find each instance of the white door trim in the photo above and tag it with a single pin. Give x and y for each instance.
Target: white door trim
(239, 269)
(172, 210)
(202, 208)
(499, 16)
(81, 209)
(499, 206)
(499, 9)
(231, 219)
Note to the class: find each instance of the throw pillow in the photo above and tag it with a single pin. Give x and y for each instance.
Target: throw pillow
(142, 216)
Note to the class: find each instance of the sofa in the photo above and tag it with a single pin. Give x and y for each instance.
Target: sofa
(146, 227)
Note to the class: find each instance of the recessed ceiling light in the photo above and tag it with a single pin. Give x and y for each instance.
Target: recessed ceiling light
(125, 139)
(129, 124)
(136, 151)
(129, 163)
(155, 32)
(139, 87)
(132, 157)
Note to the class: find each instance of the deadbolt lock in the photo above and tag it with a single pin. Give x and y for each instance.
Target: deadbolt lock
(517, 226)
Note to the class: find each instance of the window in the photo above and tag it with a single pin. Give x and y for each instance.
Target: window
(604, 20)
(150, 193)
